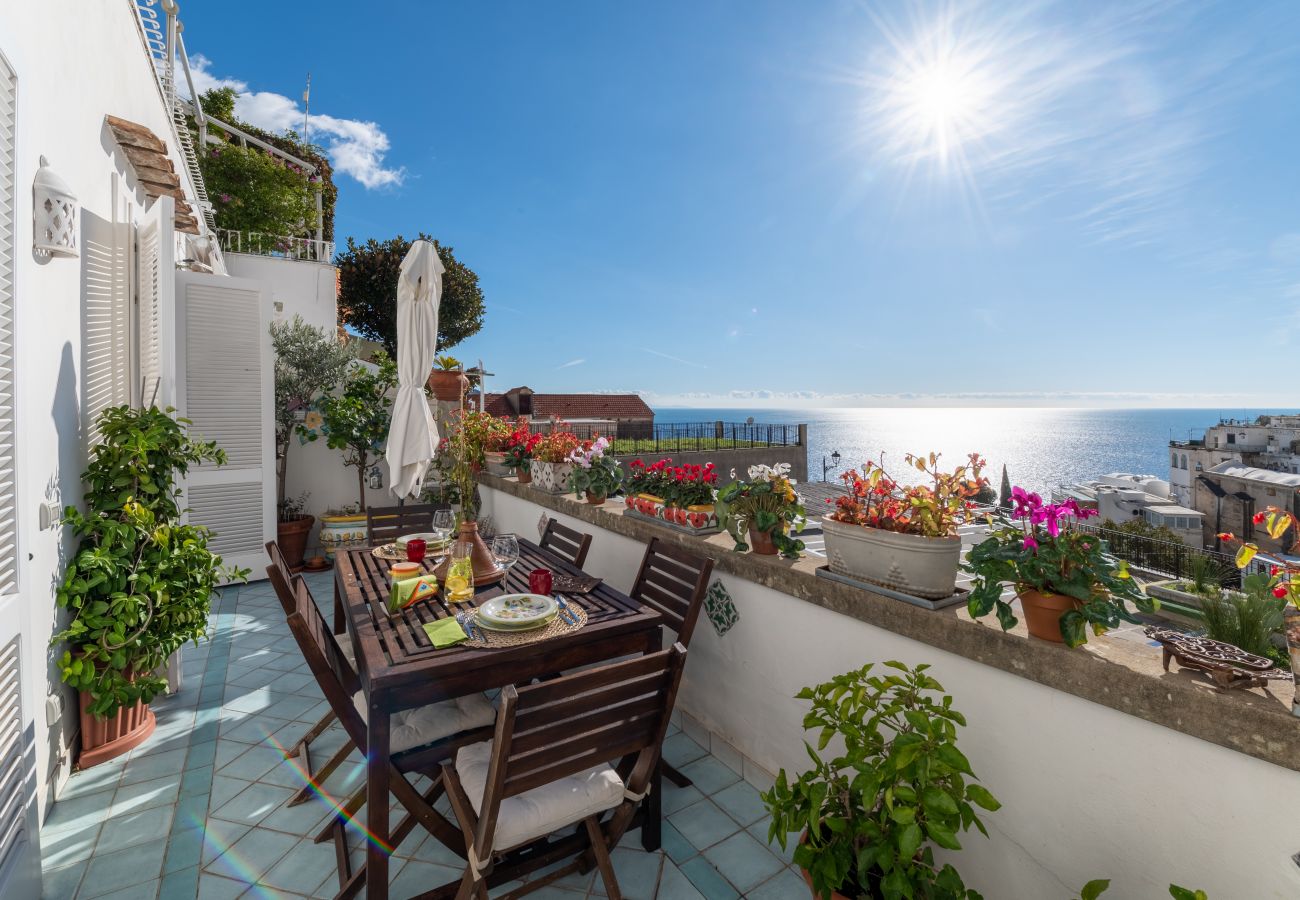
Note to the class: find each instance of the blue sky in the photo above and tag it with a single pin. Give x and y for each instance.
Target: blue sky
(782, 203)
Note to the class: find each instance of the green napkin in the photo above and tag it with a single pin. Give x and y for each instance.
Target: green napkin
(445, 633)
(407, 591)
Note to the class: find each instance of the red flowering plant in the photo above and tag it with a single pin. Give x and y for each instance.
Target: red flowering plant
(1284, 576)
(687, 486)
(476, 433)
(1037, 549)
(520, 445)
(555, 446)
(644, 482)
(499, 432)
(875, 500)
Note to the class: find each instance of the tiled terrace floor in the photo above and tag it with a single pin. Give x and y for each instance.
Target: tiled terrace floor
(199, 810)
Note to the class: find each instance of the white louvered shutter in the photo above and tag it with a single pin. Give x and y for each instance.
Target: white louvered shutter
(20, 870)
(106, 341)
(224, 384)
(156, 286)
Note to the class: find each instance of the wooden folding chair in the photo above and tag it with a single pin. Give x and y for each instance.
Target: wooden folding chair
(422, 738)
(567, 543)
(674, 582)
(385, 524)
(301, 749)
(548, 768)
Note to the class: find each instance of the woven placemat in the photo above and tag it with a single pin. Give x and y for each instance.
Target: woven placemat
(557, 627)
(574, 584)
(392, 551)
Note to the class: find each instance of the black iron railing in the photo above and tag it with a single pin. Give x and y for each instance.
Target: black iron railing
(1165, 557)
(687, 437)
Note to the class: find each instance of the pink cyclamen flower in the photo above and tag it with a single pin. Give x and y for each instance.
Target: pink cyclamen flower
(1030, 543)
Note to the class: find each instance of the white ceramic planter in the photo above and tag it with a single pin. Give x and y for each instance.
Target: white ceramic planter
(921, 566)
(496, 464)
(551, 477)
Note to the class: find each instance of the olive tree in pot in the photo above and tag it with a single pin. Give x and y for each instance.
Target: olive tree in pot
(356, 418)
(309, 362)
(141, 582)
(892, 786)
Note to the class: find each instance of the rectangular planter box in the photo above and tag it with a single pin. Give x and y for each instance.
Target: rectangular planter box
(911, 564)
(496, 464)
(553, 478)
(959, 596)
(659, 517)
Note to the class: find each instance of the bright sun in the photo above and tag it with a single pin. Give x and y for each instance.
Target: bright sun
(939, 96)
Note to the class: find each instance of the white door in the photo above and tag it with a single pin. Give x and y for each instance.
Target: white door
(156, 303)
(20, 866)
(224, 384)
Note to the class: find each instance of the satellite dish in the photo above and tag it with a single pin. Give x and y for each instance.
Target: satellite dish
(749, 421)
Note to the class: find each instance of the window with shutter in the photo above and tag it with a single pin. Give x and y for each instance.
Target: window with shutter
(106, 313)
(8, 194)
(156, 283)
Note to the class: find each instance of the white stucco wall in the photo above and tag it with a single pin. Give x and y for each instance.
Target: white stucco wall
(75, 62)
(300, 287)
(1087, 791)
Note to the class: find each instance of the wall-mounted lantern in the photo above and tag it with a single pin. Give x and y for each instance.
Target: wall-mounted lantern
(54, 214)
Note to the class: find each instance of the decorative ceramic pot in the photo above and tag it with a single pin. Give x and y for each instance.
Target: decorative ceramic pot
(448, 386)
(552, 477)
(496, 463)
(291, 537)
(595, 499)
(761, 542)
(924, 567)
(103, 739)
(701, 515)
(629, 501)
(342, 533)
(649, 505)
(1043, 613)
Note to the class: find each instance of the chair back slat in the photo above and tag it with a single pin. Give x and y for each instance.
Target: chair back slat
(385, 524)
(334, 674)
(565, 542)
(568, 725)
(280, 566)
(673, 582)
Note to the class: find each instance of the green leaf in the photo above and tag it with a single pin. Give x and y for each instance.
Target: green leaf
(942, 835)
(1073, 628)
(903, 815)
(951, 756)
(909, 840)
(1182, 893)
(1094, 889)
(978, 795)
(938, 802)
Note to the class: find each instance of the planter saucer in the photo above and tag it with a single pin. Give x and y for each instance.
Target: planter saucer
(960, 596)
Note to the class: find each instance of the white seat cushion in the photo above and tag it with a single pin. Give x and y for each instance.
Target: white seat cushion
(426, 724)
(345, 647)
(544, 809)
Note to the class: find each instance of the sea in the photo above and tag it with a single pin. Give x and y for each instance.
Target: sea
(1041, 448)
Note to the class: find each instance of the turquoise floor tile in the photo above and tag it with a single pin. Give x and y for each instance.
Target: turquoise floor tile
(103, 777)
(415, 877)
(147, 768)
(637, 873)
(704, 824)
(679, 750)
(675, 798)
(62, 882)
(760, 829)
(218, 836)
(709, 775)
(196, 781)
(253, 763)
(784, 885)
(191, 812)
(83, 812)
(674, 885)
(135, 828)
(741, 802)
(675, 845)
(252, 855)
(144, 795)
(183, 885)
(202, 755)
(110, 872)
(303, 819)
(212, 887)
(225, 789)
(146, 891)
(707, 880)
(184, 851)
(303, 868)
(744, 861)
(63, 848)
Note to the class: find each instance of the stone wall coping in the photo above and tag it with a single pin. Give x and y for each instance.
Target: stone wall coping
(1124, 675)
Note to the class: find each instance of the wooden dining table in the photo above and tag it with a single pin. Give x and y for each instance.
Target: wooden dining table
(399, 668)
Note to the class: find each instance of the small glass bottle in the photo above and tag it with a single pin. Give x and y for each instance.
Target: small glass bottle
(460, 573)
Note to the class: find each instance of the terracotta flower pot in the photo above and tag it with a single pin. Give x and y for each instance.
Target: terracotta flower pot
(1043, 613)
(807, 877)
(103, 739)
(486, 570)
(448, 386)
(595, 499)
(525, 476)
(292, 538)
(761, 541)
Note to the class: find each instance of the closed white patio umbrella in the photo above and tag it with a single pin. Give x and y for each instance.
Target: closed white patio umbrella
(413, 435)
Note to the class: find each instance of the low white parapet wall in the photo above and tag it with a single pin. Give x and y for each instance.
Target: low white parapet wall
(1087, 791)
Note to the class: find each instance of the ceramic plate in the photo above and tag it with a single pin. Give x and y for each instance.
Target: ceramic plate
(431, 539)
(516, 611)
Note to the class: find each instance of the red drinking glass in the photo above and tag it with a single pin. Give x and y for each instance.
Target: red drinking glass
(415, 550)
(540, 581)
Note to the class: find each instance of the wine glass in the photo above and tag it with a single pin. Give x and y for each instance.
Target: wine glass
(487, 528)
(505, 549)
(443, 522)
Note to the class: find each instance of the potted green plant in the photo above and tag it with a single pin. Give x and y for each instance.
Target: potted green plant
(766, 508)
(689, 498)
(894, 786)
(1065, 578)
(551, 466)
(356, 418)
(904, 537)
(309, 362)
(447, 381)
(141, 582)
(595, 474)
(464, 449)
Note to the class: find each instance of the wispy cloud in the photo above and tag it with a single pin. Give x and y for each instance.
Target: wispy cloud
(1102, 111)
(355, 147)
(677, 359)
(571, 363)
